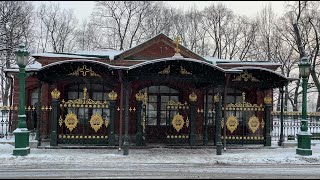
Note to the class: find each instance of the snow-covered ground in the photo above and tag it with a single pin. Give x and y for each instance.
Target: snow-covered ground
(235, 156)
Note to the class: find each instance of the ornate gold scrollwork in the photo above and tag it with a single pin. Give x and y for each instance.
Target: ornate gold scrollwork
(55, 94)
(253, 123)
(96, 122)
(184, 71)
(193, 97)
(71, 121)
(246, 77)
(232, 123)
(112, 95)
(177, 122)
(165, 70)
(84, 70)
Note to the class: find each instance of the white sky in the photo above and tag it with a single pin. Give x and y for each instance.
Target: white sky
(83, 9)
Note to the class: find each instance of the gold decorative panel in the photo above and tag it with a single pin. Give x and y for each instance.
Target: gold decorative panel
(96, 122)
(71, 121)
(184, 71)
(246, 77)
(232, 123)
(177, 122)
(84, 71)
(253, 123)
(165, 70)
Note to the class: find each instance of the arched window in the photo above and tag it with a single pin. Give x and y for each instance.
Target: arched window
(158, 97)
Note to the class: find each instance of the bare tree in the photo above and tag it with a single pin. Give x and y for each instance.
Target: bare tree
(57, 27)
(122, 19)
(15, 28)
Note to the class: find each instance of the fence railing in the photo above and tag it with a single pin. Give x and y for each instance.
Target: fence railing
(292, 124)
(6, 119)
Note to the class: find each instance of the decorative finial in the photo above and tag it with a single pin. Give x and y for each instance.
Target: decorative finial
(113, 95)
(84, 92)
(55, 94)
(193, 97)
(267, 100)
(140, 96)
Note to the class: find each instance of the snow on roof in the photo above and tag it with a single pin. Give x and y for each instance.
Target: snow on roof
(111, 53)
(216, 61)
(57, 55)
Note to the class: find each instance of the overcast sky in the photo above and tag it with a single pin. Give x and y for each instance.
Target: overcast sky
(83, 9)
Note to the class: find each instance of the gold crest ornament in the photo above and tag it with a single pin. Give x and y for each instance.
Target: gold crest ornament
(112, 95)
(193, 97)
(55, 94)
(96, 122)
(232, 123)
(177, 122)
(71, 121)
(254, 123)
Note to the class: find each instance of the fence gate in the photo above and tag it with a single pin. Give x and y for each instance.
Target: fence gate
(83, 121)
(178, 122)
(244, 122)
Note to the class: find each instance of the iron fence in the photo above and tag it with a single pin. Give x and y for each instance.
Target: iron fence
(292, 124)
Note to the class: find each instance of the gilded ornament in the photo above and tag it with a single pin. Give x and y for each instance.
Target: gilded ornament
(112, 95)
(55, 94)
(253, 123)
(184, 71)
(84, 70)
(187, 122)
(165, 70)
(246, 77)
(267, 100)
(96, 122)
(177, 122)
(177, 41)
(193, 97)
(71, 121)
(60, 121)
(232, 123)
(140, 96)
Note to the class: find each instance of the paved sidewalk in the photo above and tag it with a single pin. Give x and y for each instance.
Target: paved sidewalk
(243, 155)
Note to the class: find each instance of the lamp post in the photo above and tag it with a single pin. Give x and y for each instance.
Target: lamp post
(21, 133)
(304, 137)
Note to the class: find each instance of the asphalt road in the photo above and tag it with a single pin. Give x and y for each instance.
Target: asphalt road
(159, 171)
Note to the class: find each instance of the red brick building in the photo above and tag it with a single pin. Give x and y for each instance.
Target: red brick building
(156, 92)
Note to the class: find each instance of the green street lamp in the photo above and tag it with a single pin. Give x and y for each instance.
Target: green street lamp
(21, 133)
(304, 137)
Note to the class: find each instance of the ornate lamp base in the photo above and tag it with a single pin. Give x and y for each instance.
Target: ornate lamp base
(21, 136)
(304, 144)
